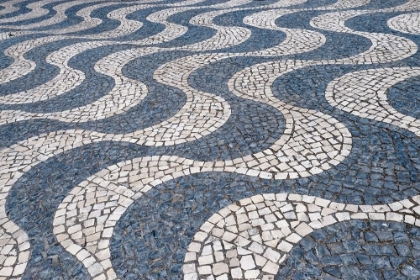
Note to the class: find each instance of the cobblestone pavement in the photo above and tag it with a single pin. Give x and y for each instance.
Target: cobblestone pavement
(210, 139)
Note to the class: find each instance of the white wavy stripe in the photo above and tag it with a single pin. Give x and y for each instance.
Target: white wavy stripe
(345, 4)
(231, 4)
(36, 11)
(406, 23)
(23, 251)
(112, 182)
(67, 79)
(297, 40)
(363, 94)
(22, 66)
(303, 127)
(267, 19)
(264, 238)
(125, 94)
(139, 184)
(60, 16)
(285, 3)
(173, 30)
(273, 160)
(410, 5)
(86, 23)
(383, 47)
(61, 142)
(225, 36)
(9, 7)
(42, 147)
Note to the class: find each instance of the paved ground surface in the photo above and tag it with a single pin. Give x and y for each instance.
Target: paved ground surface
(210, 139)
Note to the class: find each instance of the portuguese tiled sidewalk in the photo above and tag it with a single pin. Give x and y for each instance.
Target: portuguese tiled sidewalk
(210, 139)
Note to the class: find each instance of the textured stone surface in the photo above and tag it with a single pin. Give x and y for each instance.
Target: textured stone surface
(204, 139)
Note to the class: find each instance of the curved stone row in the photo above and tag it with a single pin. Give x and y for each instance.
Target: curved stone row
(266, 164)
(253, 237)
(87, 22)
(88, 214)
(316, 140)
(36, 8)
(345, 4)
(9, 6)
(284, 159)
(22, 66)
(363, 94)
(225, 36)
(406, 23)
(380, 46)
(125, 94)
(60, 16)
(385, 47)
(70, 78)
(297, 40)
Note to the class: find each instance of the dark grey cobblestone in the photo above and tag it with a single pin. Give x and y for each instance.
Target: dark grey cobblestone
(373, 250)
(232, 139)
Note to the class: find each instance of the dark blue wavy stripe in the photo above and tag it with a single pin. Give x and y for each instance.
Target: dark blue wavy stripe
(379, 4)
(194, 33)
(151, 238)
(405, 97)
(145, 258)
(356, 250)
(94, 86)
(71, 18)
(38, 55)
(208, 3)
(148, 29)
(314, 4)
(43, 71)
(377, 23)
(22, 9)
(107, 24)
(34, 199)
(384, 164)
(366, 23)
(51, 13)
(338, 45)
(239, 136)
(5, 61)
(258, 39)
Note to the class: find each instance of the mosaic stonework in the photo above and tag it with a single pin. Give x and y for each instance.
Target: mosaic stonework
(203, 139)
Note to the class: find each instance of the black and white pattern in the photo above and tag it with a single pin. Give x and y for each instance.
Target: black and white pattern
(204, 139)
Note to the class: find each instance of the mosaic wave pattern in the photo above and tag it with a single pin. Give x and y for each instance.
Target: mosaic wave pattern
(204, 139)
